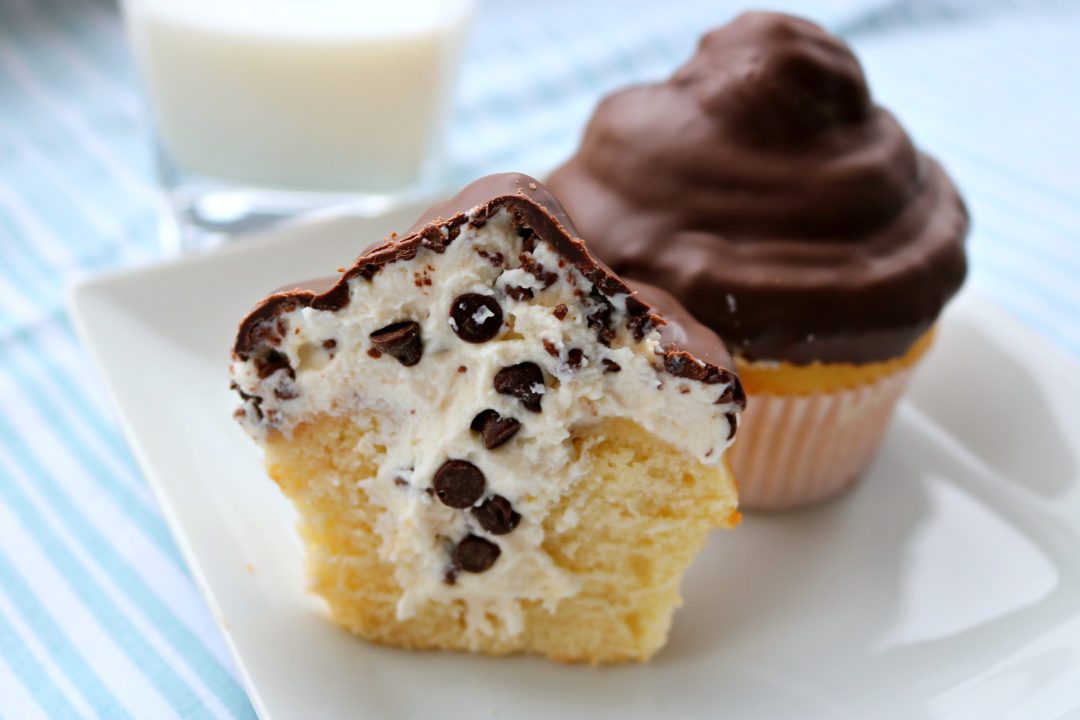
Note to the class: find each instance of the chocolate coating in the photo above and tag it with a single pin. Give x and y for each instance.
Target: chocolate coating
(537, 210)
(765, 190)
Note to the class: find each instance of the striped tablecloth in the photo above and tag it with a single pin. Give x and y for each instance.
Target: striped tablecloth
(98, 615)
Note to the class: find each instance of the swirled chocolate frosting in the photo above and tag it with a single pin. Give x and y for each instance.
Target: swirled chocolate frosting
(762, 186)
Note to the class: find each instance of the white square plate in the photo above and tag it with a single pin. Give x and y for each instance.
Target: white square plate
(946, 585)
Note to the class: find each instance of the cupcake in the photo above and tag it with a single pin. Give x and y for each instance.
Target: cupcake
(494, 444)
(762, 186)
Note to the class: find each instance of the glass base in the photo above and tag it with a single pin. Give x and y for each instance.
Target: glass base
(205, 216)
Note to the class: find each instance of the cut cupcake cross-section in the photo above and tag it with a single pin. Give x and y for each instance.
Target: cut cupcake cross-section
(494, 443)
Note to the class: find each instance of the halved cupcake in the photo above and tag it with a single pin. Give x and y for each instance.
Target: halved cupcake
(493, 442)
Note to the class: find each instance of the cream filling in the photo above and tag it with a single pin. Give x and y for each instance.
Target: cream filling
(426, 410)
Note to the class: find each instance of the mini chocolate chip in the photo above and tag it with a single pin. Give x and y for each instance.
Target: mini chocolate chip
(575, 357)
(611, 365)
(496, 515)
(330, 344)
(372, 352)
(475, 554)
(462, 369)
(450, 576)
(494, 429)
(733, 393)
(600, 320)
(522, 381)
(273, 362)
(476, 318)
(459, 484)
(400, 341)
(732, 424)
(560, 311)
(286, 392)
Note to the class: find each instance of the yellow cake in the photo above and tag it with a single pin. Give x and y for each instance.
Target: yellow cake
(494, 444)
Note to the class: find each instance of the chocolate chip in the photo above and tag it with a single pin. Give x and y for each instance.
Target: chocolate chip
(475, 318)
(401, 341)
(475, 554)
(525, 381)
(575, 357)
(494, 429)
(459, 484)
(611, 365)
(496, 515)
(560, 311)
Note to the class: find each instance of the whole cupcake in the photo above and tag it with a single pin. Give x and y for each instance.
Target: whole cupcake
(762, 186)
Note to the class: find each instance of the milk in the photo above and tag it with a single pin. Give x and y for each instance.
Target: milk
(327, 95)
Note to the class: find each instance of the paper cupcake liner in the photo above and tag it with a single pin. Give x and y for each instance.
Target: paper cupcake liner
(794, 450)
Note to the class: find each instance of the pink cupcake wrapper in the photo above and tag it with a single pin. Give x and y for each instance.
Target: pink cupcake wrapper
(794, 450)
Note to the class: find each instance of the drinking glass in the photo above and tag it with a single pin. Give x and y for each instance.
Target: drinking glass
(263, 109)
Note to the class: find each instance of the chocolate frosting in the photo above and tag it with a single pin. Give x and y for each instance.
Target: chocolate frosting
(690, 349)
(764, 189)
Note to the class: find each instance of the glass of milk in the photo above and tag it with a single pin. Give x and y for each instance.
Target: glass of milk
(263, 109)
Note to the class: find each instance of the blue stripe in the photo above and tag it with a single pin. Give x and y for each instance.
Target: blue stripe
(89, 592)
(56, 642)
(28, 670)
(175, 633)
(142, 516)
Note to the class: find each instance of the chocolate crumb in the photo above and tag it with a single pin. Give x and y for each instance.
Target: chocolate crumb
(560, 311)
(329, 344)
(575, 357)
(459, 484)
(401, 482)
(475, 554)
(374, 353)
(476, 318)
(450, 576)
(462, 369)
(519, 293)
(494, 429)
(496, 259)
(496, 515)
(401, 341)
(732, 424)
(610, 365)
(533, 266)
(550, 349)
(684, 389)
(522, 381)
